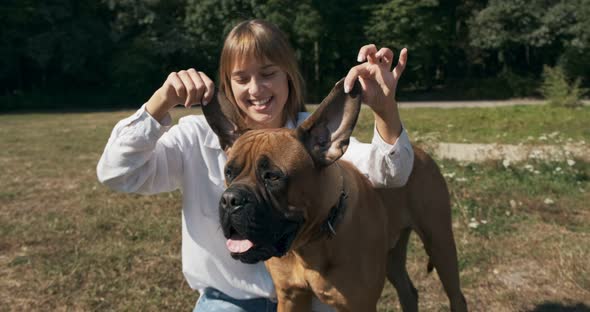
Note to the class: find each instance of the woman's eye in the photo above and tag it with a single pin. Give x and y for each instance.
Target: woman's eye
(269, 74)
(240, 80)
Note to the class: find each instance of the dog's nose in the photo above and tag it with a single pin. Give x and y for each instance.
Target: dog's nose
(233, 200)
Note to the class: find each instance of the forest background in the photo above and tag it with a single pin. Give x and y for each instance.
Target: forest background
(88, 54)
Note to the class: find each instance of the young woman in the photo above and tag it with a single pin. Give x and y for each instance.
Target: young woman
(258, 73)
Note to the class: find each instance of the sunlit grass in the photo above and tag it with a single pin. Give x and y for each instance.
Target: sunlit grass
(67, 242)
(511, 125)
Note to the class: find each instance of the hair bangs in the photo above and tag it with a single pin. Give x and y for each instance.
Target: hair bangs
(252, 43)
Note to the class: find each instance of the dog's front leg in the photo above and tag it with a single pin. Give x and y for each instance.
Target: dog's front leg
(294, 300)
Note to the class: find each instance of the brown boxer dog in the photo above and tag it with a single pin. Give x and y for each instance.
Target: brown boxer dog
(317, 222)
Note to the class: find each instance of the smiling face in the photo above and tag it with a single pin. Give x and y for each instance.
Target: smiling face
(257, 65)
(260, 90)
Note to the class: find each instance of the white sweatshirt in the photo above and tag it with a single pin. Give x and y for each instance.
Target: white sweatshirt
(147, 157)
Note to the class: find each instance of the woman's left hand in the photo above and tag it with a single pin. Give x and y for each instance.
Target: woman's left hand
(378, 81)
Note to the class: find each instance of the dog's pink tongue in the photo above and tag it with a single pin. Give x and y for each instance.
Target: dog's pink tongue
(238, 246)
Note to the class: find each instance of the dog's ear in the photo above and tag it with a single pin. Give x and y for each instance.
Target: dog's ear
(223, 117)
(326, 133)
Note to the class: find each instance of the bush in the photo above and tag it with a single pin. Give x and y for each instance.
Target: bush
(558, 90)
(520, 85)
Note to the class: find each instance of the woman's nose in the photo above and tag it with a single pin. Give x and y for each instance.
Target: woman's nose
(256, 86)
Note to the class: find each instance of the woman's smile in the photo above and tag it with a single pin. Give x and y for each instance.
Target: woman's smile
(260, 90)
(260, 102)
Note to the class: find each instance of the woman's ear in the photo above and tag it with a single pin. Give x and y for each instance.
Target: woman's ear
(326, 133)
(224, 119)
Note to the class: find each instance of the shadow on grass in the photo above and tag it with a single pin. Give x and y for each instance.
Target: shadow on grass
(560, 307)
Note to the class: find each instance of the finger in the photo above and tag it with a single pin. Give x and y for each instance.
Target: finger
(209, 88)
(363, 83)
(401, 64)
(366, 51)
(176, 83)
(353, 74)
(384, 57)
(199, 86)
(189, 86)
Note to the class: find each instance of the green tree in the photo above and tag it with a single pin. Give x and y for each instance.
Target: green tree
(425, 27)
(45, 44)
(524, 34)
(340, 37)
(150, 41)
(576, 57)
(156, 37)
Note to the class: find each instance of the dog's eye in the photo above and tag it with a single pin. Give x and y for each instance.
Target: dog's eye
(228, 174)
(270, 176)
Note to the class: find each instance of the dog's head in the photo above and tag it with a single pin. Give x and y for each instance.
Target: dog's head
(276, 178)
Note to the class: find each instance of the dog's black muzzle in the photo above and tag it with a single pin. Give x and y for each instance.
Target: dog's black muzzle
(245, 215)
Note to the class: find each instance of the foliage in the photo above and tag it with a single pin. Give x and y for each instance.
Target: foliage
(45, 42)
(525, 35)
(519, 85)
(341, 36)
(421, 26)
(506, 23)
(558, 90)
(150, 42)
(127, 47)
(579, 31)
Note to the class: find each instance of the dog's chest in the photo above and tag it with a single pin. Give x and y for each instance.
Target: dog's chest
(290, 273)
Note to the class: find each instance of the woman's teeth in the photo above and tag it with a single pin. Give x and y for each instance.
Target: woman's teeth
(260, 102)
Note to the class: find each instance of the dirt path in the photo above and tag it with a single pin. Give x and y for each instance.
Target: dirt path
(510, 152)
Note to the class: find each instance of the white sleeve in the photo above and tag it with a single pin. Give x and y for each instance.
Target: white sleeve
(384, 164)
(142, 156)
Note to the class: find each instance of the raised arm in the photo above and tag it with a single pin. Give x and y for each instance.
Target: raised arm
(145, 154)
(388, 160)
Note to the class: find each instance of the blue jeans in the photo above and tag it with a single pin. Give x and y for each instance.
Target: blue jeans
(213, 300)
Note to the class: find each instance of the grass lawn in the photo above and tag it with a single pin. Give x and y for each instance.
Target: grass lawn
(69, 243)
(511, 125)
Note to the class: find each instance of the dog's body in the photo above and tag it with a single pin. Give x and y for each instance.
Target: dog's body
(347, 270)
(339, 267)
(319, 223)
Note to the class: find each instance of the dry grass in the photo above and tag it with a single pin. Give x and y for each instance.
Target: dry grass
(69, 243)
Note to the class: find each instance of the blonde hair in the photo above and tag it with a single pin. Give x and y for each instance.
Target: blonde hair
(266, 42)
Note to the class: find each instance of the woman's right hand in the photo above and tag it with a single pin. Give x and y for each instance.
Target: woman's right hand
(186, 87)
